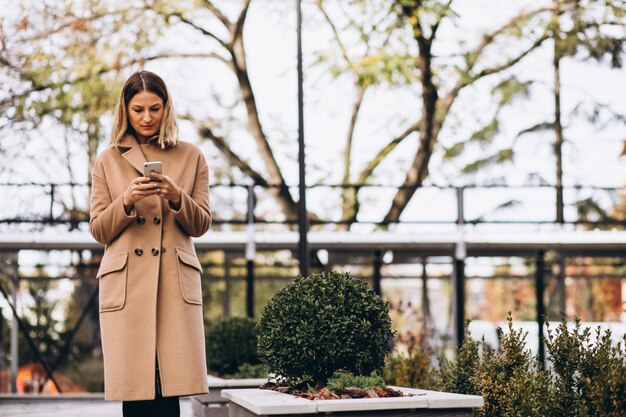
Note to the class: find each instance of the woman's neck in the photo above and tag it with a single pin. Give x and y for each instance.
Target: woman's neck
(141, 139)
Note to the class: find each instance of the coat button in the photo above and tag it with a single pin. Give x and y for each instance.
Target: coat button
(141, 220)
(156, 220)
(162, 250)
(155, 251)
(138, 252)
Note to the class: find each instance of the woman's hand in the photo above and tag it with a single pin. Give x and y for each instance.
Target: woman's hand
(168, 188)
(138, 189)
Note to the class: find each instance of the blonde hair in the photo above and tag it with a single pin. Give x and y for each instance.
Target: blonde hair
(136, 83)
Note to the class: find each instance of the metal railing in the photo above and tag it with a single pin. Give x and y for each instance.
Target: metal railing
(51, 204)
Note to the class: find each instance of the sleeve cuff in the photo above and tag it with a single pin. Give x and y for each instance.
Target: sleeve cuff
(171, 206)
(133, 212)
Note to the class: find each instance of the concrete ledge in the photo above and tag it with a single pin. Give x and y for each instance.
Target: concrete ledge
(213, 404)
(265, 402)
(268, 402)
(215, 382)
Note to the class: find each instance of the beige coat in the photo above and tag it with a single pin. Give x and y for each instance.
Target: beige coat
(150, 293)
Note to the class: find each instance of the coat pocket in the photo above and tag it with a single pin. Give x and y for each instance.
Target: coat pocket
(189, 273)
(112, 276)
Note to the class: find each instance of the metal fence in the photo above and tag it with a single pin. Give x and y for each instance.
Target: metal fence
(67, 203)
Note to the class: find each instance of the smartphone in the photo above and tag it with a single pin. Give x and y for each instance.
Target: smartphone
(149, 167)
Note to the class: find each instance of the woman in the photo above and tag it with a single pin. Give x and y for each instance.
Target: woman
(151, 316)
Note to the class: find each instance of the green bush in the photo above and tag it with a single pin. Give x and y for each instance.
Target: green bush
(589, 377)
(585, 378)
(231, 343)
(322, 323)
(510, 379)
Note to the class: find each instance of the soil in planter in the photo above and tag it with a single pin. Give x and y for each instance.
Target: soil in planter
(323, 393)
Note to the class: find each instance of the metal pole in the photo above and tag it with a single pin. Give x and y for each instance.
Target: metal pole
(250, 255)
(426, 300)
(227, 284)
(14, 329)
(459, 301)
(51, 202)
(539, 287)
(378, 261)
(303, 221)
(459, 274)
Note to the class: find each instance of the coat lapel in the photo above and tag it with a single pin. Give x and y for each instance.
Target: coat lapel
(133, 155)
(135, 158)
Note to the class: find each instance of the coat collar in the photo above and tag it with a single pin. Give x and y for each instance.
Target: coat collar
(131, 151)
(129, 141)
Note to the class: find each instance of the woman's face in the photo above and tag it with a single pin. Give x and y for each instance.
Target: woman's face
(145, 111)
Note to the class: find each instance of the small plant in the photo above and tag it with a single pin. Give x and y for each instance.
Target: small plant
(500, 373)
(410, 370)
(251, 371)
(231, 343)
(342, 380)
(322, 323)
(459, 375)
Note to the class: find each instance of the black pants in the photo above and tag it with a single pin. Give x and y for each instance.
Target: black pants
(159, 407)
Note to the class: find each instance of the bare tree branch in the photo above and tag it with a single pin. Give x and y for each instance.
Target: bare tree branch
(342, 47)
(349, 195)
(211, 55)
(237, 28)
(512, 61)
(433, 29)
(206, 131)
(75, 20)
(380, 156)
(446, 102)
(46, 86)
(201, 29)
(489, 38)
(218, 13)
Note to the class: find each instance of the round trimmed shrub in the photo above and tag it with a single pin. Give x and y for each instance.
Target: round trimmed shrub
(323, 323)
(231, 343)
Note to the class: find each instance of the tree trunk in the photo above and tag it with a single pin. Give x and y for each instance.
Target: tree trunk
(559, 289)
(558, 127)
(427, 135)
(281, 192)
(349, 198)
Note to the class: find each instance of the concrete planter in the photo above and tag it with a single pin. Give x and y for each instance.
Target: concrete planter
(213, 404)
(257, 402)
